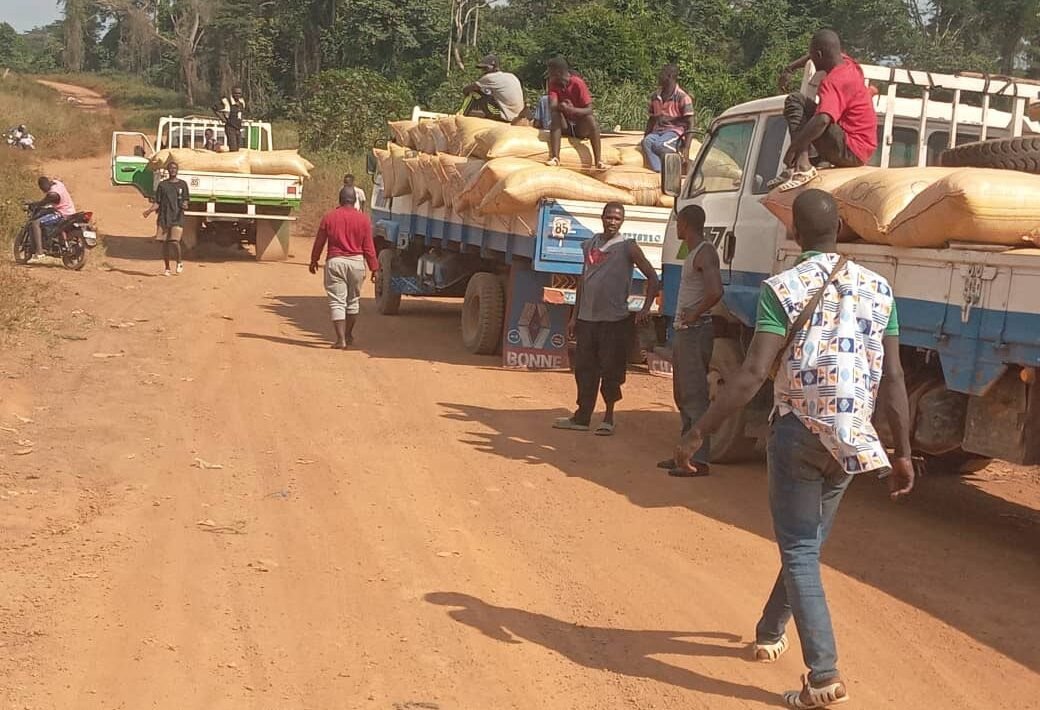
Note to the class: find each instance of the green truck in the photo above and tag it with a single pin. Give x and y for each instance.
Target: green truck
(225, 208)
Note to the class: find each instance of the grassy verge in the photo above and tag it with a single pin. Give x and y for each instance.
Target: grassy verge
(321, 192)
(61, 130)
(19, 294)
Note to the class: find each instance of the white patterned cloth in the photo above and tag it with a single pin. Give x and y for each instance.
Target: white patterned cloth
(830, 375)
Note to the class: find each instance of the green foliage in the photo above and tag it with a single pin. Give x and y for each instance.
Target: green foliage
(347, 109)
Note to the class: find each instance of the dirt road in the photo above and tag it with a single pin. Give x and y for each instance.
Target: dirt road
(398, 526)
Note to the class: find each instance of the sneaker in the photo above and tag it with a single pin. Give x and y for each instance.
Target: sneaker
(180, 267)
(553, 162)
(37, 259)
(166, 272)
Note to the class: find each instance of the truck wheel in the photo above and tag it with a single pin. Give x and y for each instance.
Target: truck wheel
(1021, 154)
(728, 443)
(387, 302)
(483, 313)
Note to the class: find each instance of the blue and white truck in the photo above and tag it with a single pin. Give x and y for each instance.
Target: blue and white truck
(969, 314)
(516, 274)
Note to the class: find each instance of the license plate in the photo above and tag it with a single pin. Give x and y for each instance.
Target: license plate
(90, 237)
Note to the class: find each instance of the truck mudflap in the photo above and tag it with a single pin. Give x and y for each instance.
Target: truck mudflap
(535, 332)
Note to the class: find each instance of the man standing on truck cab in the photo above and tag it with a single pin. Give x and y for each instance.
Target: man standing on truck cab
(829, 328)
(570, 106)
(700, 288)
(348, 234)
(171, 202)
(842, 127)
(496, 95)
(232, 110)
(360, 198)
(671, 110)
(601, 322)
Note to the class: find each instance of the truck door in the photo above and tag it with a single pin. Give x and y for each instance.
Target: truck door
(130, 153)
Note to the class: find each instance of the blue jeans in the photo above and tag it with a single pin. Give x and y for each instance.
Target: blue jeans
(806, 484)
(657, 145)
(691, 357)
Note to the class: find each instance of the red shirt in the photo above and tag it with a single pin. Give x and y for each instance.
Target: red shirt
(348, 233)
(575, 91)
(843, 95)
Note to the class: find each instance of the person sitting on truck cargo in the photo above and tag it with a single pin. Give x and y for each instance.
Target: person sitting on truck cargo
(348, 235)
(841, 127)
(497, 94)
(232, 110)
(171, 202)
(828, 328)
(671, 110)
(600, 321)
(360, 199)
(700, 288)
(210, 141)
(570, 105)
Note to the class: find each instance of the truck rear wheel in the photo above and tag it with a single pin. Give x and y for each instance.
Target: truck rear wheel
(483, 313)
(1021, 154)
(728, 443)
(387, 302)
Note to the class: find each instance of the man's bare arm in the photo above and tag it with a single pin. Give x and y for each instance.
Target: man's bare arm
(707, 262)
(893, 402)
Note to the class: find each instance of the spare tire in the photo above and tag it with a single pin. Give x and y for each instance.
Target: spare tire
(1021, 154)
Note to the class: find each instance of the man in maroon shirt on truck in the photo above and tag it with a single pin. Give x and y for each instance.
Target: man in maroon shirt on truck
(842, 126)
(348, 234)
(570, 105)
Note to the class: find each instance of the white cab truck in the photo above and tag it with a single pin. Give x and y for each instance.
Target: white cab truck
(969, 314)
(225, 208)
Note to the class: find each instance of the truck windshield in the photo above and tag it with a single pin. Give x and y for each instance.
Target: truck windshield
(723, 158)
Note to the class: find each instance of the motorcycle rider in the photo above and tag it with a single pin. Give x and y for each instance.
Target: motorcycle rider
(57, 205)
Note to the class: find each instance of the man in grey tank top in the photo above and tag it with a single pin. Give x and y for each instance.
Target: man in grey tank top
(700, 288)
(601, 322)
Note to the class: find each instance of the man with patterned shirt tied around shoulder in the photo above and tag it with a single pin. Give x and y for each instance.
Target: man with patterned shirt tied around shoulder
(348, 235)
(830, 329)
(841, 125)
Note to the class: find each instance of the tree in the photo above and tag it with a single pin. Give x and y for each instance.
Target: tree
(347, 109)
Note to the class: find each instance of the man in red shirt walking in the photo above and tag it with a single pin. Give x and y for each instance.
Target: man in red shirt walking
(570, 104)
(842, 126)
(348, 234)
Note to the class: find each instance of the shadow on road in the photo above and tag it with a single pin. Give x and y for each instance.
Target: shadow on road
(952, 550)
(628, 652)
(148, 249)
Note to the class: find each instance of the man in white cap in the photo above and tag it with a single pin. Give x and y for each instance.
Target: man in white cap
(496, 94)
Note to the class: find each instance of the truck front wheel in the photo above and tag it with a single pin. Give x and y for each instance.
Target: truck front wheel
(728, 443)
(483, 313)
(387, 302)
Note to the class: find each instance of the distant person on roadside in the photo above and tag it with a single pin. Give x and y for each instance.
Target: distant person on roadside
(55, 206)
(171, 202)
(232, 110)
(830, 329)
(360, 199)
(671, 111)
(496, 94)
(348, 235)
(600, 320)
(700, 288)
(841, 125)
(210, 142)
(570, 108)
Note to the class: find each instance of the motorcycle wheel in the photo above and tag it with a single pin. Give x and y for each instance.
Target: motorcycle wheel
(22, 248)
(76, 257)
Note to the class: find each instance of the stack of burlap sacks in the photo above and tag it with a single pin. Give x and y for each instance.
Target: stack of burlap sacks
(243, 162)
(482, 167)
(928, 207)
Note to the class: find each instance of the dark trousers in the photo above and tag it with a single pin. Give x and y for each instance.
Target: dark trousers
(485, 106)
(600, 362)
(691, 357)
(234, 138)
(832, 147)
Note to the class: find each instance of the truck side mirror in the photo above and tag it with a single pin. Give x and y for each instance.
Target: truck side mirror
(671, 174)
(371, 164)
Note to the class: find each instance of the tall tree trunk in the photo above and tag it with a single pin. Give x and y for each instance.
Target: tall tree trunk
(75, 20)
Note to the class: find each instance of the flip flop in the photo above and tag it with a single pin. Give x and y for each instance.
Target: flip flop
(569, 424)
(798, 179)
(666, 464)
(700, 470)
(604, 429)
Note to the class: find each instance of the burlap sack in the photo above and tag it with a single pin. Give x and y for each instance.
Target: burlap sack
(530, 143)
(870, 203)
(396, 177)
(456, 172)
(493, 172)
(521, 190)
(400, 131)
(206, 161)
(644, 185)
(781, 204)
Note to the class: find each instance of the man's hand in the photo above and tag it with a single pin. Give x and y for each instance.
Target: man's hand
(572, 326)
(643, 316)
(375, 275)
(313, 268)
(785, 80)
(901, 480)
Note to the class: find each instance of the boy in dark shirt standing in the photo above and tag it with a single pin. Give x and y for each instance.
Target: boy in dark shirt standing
(171, 202)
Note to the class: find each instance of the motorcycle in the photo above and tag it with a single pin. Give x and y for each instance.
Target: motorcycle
(23, 141)
(68, 239)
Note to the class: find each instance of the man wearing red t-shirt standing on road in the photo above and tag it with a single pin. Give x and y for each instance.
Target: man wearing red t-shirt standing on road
(570, 104)
(842, 126)
(348, 234)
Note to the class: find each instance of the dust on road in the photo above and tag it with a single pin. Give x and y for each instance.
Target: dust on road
(398, 526)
